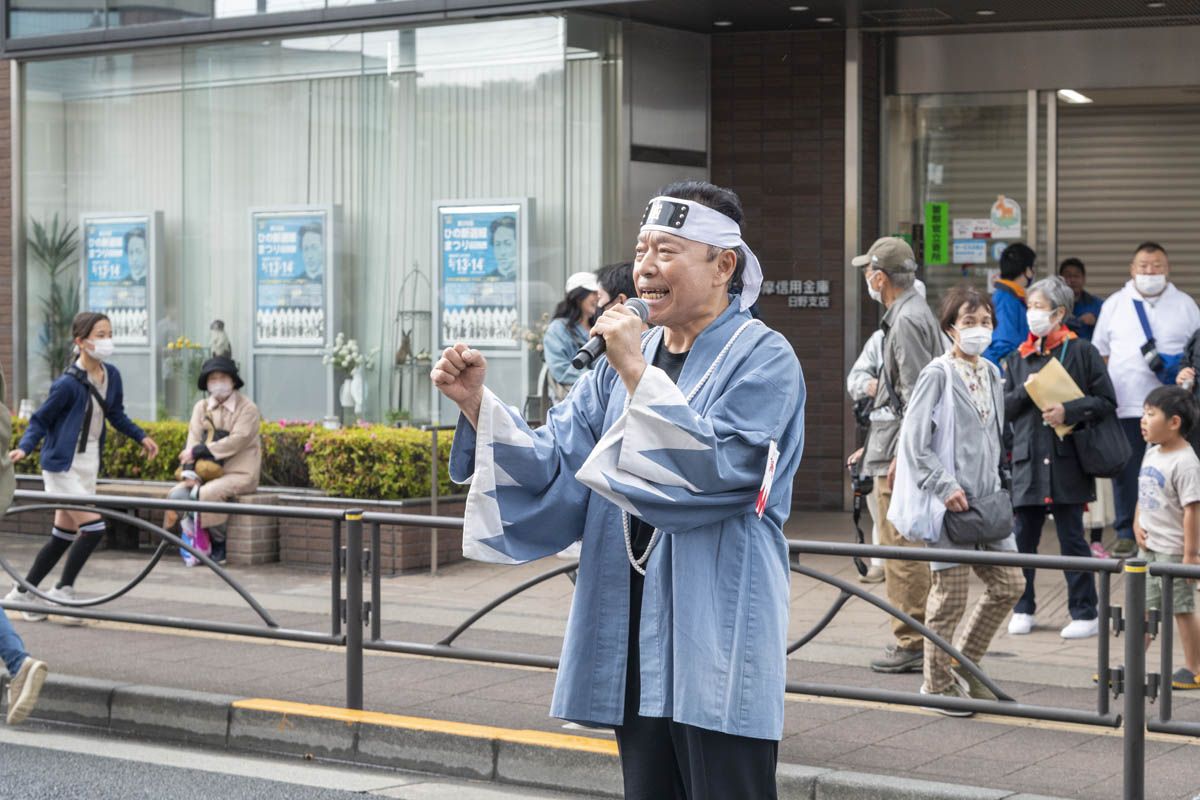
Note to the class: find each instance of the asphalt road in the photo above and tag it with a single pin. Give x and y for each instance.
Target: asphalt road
(44, 763)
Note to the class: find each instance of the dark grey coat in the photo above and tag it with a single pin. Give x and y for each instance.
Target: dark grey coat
(1045, 469)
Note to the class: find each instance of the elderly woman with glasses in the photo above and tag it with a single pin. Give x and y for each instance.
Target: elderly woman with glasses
(1047, 476)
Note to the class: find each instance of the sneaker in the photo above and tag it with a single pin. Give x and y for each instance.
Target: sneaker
(971, 685)
(1081, 629)
(1099, 552)
(218, 551)
(64, 593)
(1020, 624)
(1184, 678)
(17, 596)
(24, 688)
(900, 659)
(1124, 548)
(953, 690)
(874, 575)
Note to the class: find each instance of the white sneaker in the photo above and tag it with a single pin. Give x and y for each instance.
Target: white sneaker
(17, 596)
(1020, 624)
(1081, 629)
(64, 593)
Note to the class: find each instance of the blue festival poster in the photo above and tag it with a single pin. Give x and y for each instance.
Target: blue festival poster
(117, 261)
(291, 254)
(481, 265)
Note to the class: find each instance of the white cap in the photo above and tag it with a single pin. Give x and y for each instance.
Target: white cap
(583, 280)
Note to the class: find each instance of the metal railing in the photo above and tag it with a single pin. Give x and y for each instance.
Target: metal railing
(351, 614)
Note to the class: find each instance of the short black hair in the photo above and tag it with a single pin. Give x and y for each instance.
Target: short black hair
(134, 233)
(1174, 401)
(717, 198)
(1015, 259)
(501, 222)
(1072, 262)
(617, 279)
(1149, 247)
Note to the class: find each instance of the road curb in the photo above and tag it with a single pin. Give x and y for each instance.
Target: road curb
(527, 758)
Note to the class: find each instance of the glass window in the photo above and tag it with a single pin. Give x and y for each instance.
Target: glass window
(966, 151)
(48, 17)
(141, 12)
(298, 180)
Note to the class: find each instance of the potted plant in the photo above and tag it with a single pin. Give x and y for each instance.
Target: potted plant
(54, 247)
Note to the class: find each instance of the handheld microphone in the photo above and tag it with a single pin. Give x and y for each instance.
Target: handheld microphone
(595, 345)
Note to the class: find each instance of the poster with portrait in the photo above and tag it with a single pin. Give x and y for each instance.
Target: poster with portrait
(117, 262)
(291, 265)
(481, 266)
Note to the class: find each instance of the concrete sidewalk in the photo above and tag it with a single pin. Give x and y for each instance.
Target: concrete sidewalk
(1005, 754)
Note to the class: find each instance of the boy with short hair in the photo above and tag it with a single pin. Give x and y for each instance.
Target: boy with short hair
(1167, 520)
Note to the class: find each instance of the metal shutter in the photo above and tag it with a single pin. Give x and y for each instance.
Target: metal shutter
(1128, 174)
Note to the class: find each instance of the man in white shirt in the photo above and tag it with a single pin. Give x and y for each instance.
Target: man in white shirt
(1138, 361)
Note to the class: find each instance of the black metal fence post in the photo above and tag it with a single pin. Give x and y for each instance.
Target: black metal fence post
(1104, 612)
(335, 578)
(354, 621)
(376, 587)
(433, 500)
(1135, 679)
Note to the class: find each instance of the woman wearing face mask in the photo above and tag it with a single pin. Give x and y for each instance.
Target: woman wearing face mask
(568, 331)
(72, 423)
(1047, 477)
(978, 413)
(225, 429)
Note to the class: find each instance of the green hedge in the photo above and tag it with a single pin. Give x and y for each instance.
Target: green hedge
(365, 461)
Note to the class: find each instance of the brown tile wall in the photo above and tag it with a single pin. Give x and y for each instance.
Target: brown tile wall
(6, 211)
(778, 104)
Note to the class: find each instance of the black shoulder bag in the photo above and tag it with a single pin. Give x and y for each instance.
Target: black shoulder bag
(81, 375)
(987, 519)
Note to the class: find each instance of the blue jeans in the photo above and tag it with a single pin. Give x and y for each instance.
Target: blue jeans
(1125, 485)
(12, 649)
(1068, 522)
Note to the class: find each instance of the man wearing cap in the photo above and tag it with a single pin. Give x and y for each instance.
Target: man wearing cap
(225, 430)
(911, 339)
(674, 458)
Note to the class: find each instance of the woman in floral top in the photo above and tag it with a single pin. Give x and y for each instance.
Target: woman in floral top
(978, 409)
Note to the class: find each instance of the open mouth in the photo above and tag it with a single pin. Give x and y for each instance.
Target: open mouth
(654, 294)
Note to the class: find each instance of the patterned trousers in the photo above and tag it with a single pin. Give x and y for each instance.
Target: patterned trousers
(948, 602)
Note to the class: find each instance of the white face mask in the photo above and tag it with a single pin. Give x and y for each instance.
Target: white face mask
(1150, 285)
(220, 389)
(973, 341)
(876, 294)
(1040, 322)
(100, 349)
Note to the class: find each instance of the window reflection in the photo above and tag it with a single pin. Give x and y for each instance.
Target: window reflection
(48, 17)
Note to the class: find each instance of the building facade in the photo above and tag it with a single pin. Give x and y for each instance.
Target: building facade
(410, 172)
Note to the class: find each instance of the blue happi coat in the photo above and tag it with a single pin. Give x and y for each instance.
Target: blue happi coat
(715, 604)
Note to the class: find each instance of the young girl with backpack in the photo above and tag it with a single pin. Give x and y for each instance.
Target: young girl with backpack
(72, 423)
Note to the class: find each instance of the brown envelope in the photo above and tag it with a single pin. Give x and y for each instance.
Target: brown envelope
(1050, 386)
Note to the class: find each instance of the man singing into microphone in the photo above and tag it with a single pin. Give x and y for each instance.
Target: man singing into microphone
(674, 459)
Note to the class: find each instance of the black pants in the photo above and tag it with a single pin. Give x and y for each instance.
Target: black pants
(1125, 485)
(666, 760)
(1068, 523)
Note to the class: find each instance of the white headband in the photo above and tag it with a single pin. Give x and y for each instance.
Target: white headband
(699, 223)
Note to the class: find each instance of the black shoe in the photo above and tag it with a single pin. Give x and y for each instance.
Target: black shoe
(900, 659)
(218, 551)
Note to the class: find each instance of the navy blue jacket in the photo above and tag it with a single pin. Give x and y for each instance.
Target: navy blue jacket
(60, 420)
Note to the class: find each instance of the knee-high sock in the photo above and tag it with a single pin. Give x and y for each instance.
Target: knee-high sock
(49, 555)
(89, 537)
